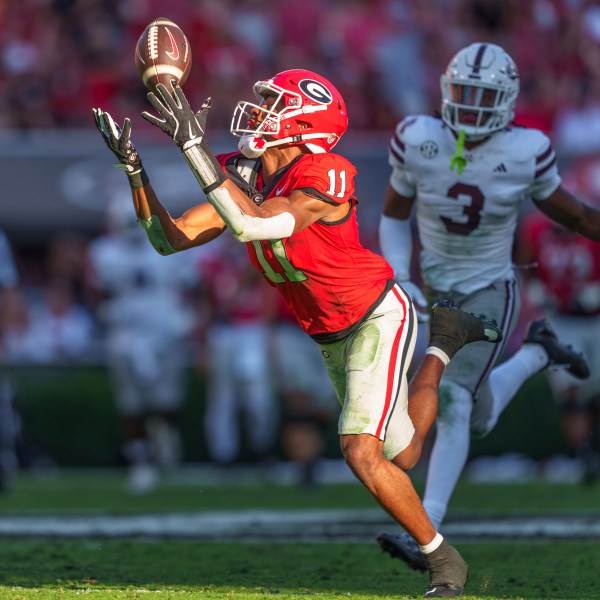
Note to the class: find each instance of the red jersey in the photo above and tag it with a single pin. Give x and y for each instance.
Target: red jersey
(568, 265)
(326, 277)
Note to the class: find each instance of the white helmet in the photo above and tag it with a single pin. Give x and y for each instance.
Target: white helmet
(479, 90)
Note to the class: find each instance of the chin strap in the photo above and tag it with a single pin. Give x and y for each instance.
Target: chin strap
(252, 146)
(458, 160)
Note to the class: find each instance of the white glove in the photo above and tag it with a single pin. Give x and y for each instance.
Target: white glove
(418, 299)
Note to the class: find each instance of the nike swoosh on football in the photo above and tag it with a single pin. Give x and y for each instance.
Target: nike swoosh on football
(174, 53)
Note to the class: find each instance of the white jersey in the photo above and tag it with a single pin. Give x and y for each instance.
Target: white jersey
(467, 222)
(145, 290)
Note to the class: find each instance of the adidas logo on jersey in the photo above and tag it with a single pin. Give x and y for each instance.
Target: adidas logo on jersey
(500, 169)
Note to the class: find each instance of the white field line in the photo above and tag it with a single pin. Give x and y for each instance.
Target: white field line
(286, 526)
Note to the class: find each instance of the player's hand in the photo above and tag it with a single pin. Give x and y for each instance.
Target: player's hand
(178, 121)
(186, 129)
(418, 298)
(118, 141)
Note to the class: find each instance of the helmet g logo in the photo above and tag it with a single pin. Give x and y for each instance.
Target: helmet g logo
(316, 91)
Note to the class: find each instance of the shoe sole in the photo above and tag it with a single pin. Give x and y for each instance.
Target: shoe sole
(444, 591)
(387, 544)
(492, 333)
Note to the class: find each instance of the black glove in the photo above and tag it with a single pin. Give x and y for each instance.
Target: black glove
(119, 143)
(187, 130)
(178, 119)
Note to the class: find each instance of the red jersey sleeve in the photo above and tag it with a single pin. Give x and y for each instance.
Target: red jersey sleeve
(329, 177)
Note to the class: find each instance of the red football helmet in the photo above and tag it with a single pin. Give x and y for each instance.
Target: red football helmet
(306, 110)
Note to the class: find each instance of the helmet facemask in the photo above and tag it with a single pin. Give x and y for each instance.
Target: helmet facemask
(258, 119)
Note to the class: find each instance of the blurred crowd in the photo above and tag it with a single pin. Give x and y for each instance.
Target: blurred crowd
(62, 57)
(112, 301)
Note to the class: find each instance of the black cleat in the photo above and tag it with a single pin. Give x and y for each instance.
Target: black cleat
(451, 328)
(559, 355)
(404, 547)
(447, 572)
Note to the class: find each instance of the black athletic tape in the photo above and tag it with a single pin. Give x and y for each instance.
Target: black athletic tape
(213, 186)
(138, 179)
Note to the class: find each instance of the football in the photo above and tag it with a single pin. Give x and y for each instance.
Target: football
(162, 54)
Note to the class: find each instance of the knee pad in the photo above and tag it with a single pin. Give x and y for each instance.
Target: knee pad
(455, 404)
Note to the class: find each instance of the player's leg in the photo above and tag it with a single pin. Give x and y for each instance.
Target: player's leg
(129, 400)
(165, 399)
(307, 399)
(541, 348)
(579, 400)
(451, 445)
(452, 440)
(502, 385)
(9, 431)
(373, 362)
(368, 370)
(261, 410)
(220, 419)
(579, 424)
(463, 378)
(450, 330)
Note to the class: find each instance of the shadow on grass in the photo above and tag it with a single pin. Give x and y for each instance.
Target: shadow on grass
(538, 570)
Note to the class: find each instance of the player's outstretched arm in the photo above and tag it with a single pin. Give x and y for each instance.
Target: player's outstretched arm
(187, 130)
(562, 207)
(119, 143)
(197, 226)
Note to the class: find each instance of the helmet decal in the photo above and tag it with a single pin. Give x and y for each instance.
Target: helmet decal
(316, 91)
(476, 65)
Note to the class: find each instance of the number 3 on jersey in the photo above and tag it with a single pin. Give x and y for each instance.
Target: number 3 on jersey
(280, 257)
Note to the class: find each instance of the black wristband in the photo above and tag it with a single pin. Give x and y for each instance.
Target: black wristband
(138, 179)
(209, 188)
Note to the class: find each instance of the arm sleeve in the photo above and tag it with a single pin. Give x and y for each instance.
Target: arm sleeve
(400, 179)
(546, 178)
(395, 239)
(246, 228)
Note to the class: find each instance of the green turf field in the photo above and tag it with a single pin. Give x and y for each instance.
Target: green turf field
(102, 569)
(188, 570)
(103, 491)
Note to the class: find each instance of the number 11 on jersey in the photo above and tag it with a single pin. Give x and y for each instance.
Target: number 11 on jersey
(333, 182)
(280, 257)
